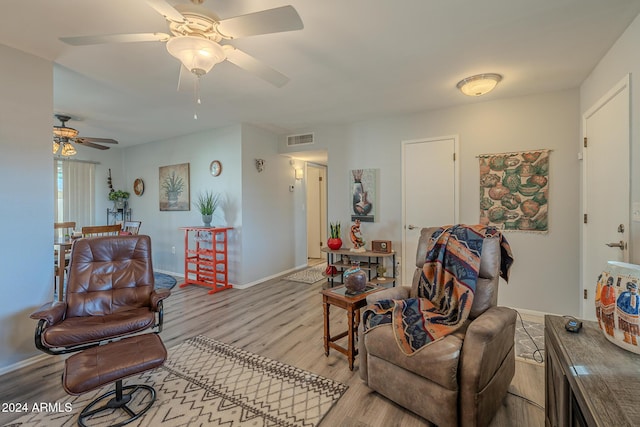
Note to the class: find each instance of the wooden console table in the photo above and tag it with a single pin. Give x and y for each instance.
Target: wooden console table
(373, 260)
(205, 257)
(589, 380)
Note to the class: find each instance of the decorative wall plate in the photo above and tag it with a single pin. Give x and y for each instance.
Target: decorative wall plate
(138, 186)
(215, 168)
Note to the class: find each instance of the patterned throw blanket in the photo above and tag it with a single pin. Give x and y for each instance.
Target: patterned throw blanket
(445, 290)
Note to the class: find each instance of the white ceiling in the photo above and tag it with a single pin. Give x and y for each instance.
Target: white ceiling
(354, 60)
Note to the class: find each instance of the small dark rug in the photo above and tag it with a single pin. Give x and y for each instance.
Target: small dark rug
(163, 281)
(309, 275)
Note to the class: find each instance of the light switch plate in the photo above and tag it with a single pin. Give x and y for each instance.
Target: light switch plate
(635, 212)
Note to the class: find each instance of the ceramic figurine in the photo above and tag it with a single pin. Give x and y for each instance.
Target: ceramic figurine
(356, 237)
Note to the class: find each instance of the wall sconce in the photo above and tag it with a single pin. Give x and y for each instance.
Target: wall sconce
(299, 174)
(479, 84)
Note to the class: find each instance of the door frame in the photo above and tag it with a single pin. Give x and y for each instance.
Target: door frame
(623, 84)
(456, 199)
(323, 202)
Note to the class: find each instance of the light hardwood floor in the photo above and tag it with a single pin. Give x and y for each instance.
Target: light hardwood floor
(281, 320)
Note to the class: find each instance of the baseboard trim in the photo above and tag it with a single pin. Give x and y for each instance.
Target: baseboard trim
(170, 273)
(245, 285)
(23, 363)
(534, 315)
(273, 276)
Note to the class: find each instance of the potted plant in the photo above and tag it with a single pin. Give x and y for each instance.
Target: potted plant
(119, 198)
(334, 242)
(173, 186)
(207, 204)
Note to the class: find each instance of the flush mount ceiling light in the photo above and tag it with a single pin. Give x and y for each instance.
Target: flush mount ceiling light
(479, 84)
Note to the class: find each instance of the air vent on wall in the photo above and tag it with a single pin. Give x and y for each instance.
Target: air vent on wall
(306, 138)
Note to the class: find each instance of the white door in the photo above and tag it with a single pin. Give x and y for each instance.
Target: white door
(316, 209)
(606, 174)
(429, 192)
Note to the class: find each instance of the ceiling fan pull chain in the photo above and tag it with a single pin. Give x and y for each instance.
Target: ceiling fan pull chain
(196, 93)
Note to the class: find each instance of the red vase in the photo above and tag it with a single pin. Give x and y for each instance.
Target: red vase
(334, 243)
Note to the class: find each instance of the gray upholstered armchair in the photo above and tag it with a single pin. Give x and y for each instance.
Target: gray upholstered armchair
(461, 379)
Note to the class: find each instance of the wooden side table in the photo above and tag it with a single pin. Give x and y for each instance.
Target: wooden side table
(352, 303)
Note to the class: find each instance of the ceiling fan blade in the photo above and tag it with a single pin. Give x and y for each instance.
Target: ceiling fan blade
(80, 141)
(254, 66)
(101, 140)
(166, 10)
(115, 38)
(276, 20)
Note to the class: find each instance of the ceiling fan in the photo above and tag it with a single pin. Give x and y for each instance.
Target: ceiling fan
(199, 38)
(63, 136)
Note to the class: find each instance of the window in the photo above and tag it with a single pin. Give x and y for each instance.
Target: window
(74, 192)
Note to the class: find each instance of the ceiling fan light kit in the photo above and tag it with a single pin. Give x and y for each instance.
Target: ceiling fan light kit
(196, 33)
(68, 150)
(479, 84)
(64, 132)
(197, 54)
(63, 136)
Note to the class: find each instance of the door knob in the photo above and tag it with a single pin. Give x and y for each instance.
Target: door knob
(620, 245)
(412, 227)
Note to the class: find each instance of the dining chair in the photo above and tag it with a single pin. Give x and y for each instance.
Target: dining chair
(62, 232)
(131, 227)
(101, 230)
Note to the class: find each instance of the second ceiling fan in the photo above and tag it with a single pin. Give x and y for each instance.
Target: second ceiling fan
(199, 38)
(64, 135)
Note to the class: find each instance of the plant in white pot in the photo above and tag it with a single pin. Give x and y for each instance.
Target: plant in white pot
(207, 204)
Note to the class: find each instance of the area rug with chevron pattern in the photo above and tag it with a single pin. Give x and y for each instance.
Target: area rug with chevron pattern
(205, 382)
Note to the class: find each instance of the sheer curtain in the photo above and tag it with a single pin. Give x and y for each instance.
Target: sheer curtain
(74, 195)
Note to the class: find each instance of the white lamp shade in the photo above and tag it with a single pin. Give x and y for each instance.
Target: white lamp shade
(479, 84)
(197, 54)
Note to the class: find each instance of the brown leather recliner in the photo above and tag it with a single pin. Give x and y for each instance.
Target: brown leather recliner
(110, 294)
(461, 379)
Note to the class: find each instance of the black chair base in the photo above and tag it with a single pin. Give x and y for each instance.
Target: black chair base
(120, 401)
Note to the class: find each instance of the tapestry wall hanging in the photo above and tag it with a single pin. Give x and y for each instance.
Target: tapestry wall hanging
(174, 187)
(514, 190)
(363, 194)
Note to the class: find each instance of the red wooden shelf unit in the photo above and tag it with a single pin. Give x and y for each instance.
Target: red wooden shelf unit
(205, 257)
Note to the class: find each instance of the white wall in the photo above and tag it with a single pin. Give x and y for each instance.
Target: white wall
(271, 241)
(26, 171)
(545, 276)
(259, 206)
(143, 161)
(621, 60)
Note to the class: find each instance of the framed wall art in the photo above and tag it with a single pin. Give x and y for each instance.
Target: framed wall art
(363, 194)
(174, 187)
(514, 190)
